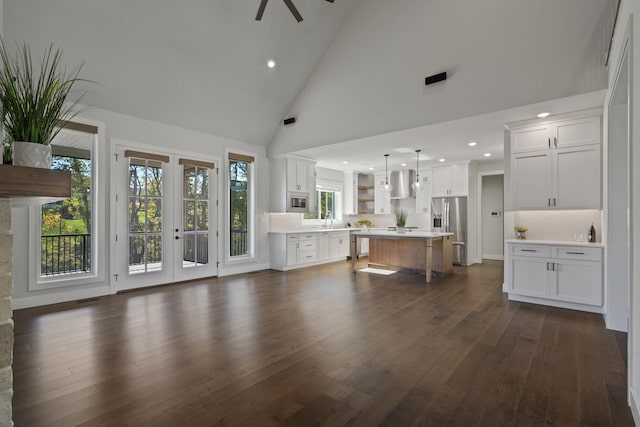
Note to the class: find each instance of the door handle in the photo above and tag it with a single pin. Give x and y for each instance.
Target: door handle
(554, 201)
(555, 142)
(177, 237)
(528, 250)
(549, 201)
(575, 253)
(549, 141)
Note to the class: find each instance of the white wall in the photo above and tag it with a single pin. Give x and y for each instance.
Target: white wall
(630, 12)
(165, 137)
(556, 225)
(492, 226)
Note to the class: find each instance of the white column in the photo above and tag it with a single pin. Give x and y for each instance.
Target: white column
(6, 314)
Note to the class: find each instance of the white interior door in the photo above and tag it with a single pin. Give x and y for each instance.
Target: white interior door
(164, 209)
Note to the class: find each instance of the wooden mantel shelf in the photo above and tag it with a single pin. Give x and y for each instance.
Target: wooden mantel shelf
(21, 181)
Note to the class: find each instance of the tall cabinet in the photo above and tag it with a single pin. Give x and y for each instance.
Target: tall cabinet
(557, 165)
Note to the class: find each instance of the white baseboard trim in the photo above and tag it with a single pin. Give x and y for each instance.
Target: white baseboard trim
(615, 327)
(493, 257)
(633, 404)
(241, 268)
(554, 303)
(307, 264)
(58, 297)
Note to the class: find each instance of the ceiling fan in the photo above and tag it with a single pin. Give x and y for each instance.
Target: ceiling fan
(290, 5)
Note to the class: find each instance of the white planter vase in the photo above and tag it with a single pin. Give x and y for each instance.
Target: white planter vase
(31, 154)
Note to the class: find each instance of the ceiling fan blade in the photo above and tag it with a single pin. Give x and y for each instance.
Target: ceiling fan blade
(263, 4)
(293, 10)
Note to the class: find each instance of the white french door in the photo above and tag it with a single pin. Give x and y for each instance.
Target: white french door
(166, 218)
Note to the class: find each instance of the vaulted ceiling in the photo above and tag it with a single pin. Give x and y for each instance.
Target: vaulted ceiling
(352, 69)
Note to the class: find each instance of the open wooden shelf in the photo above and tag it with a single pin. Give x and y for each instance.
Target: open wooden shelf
(21, 181)
(365, 200)
(365, 187)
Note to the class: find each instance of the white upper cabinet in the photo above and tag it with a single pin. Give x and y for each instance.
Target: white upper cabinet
(450, 181)
(423, 197)
(576, 171)
(297, 175)
(382, 199)
(300, 174)
(576, 132)
(531, 138)
(560, 134)
(557, 165)
(531, 180)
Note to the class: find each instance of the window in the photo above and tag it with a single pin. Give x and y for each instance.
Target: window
(240, 206)
(325, 205)
(66, 230)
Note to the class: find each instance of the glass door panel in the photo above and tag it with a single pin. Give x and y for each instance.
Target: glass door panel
(144, 216)
(198, 251)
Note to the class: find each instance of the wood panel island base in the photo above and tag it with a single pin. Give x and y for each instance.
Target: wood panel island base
(415, 251)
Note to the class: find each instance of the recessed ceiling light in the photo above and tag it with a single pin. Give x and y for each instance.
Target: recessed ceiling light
(271, 63)
(403, 164)
(487, 154)
(543, 115)
(442, 160)
(370, 169)
(473, 144)
(345, 162)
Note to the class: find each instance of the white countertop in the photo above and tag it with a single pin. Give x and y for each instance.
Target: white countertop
(555, 243)
(312, 230)
(416, 234)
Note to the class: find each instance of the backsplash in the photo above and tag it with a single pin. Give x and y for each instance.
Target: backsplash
(554, 225)
(382, 221)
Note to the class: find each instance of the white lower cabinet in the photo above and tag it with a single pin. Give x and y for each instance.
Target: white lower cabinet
(555, 274)
(293, 250)
(339, 246)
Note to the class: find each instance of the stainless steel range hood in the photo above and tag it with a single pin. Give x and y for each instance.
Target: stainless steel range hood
(401, 181)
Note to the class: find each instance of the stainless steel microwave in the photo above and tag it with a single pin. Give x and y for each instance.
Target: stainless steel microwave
(297, 202)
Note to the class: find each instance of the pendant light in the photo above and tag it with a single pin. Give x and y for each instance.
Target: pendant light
(417, 186)
(387, 187)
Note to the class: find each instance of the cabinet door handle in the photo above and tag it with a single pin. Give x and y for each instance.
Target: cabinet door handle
(555, 142)
(528, 250)
(548, 268)
(549, 140)
(549, 201)
(554, 201)
(575, 253)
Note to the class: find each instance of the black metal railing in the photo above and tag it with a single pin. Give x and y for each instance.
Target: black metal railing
(238, 242)
(191, 248)
(66, 253)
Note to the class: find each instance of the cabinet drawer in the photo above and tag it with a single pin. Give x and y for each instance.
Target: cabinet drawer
(308, 236)
(292, 237)
(306, 245)
(307, 256)
(340, 234)
(578, 253)
(531, 250)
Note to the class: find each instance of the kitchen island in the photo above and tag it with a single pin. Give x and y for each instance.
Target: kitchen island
(415, 251)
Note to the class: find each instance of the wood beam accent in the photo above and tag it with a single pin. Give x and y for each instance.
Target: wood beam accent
(22, 181)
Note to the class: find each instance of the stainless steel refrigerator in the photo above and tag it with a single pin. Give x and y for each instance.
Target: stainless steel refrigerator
(449, 214)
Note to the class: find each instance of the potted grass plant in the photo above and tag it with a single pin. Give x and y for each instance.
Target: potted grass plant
(36, 102)
(401, 220)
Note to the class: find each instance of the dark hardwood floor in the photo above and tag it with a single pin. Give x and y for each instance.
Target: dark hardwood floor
(318, 346)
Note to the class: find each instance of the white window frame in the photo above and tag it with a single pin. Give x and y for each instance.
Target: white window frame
(251, 226)
(327, 185)
(98, 230)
